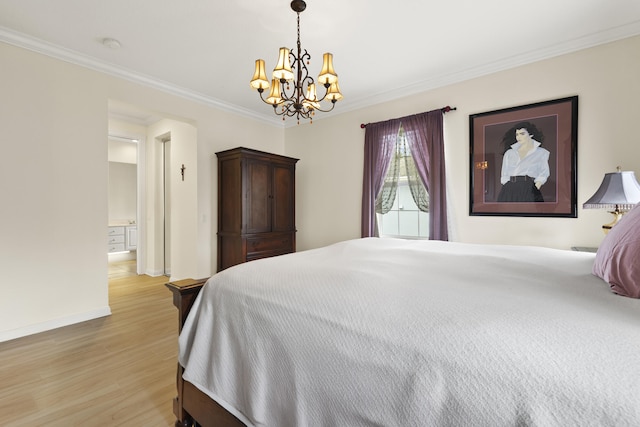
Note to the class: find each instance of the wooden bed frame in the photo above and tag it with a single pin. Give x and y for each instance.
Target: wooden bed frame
(191, 406)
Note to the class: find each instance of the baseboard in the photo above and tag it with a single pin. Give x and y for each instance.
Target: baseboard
(157, 273)
(54, 324)
(122, 256)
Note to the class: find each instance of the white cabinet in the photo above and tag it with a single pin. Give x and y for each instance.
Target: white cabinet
(122, 238)
(131, 238)
(116, 239)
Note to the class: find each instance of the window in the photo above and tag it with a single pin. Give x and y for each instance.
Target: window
(402, 207)
(388, 142)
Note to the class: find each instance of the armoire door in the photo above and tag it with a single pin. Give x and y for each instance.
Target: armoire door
(283, 201)
(258, 201)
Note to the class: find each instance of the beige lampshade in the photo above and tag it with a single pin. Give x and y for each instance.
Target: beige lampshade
(283, 69)
(259, 80)
(311, 101)
(333, 94)
(275, 96)
(327, 74)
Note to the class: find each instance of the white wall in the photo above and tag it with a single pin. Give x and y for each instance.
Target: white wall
(607, 82)
(54, 189)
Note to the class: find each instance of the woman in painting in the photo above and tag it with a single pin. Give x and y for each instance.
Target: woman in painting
(525, 165)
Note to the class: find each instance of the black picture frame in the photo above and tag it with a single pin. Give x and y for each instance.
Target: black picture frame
(556, 122)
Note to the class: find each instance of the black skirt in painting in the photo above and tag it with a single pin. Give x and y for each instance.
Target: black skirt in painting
(520, 189)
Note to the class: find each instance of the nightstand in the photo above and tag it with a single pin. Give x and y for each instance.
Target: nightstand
(583, 249)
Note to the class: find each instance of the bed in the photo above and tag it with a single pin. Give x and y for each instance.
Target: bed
(390, 332)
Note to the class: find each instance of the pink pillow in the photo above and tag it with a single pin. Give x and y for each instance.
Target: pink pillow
(618, 258)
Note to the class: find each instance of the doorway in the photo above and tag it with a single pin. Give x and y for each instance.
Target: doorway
(167, 198)
(164, 167)
(123, 205)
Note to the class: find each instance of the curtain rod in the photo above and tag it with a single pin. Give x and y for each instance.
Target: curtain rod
(443, 109)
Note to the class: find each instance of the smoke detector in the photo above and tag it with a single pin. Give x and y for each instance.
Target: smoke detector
(111, 43)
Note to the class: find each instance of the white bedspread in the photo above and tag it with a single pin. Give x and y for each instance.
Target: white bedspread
(385, 332)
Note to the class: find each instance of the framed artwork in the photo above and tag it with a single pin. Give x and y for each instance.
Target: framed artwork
(523, 160)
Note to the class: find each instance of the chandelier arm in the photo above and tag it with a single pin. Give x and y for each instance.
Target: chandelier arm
(291, 111)
(326, 92)
(302, 74)
(261, 91)
(333, 101)
(306, 77)
(287, 90)
(333, 104)
(275, 106)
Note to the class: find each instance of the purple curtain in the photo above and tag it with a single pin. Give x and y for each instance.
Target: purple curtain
(425, 136)
(379, 145)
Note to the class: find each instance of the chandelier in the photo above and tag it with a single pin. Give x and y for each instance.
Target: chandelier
(297, 97)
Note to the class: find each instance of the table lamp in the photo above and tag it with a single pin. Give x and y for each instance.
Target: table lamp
(619, 191)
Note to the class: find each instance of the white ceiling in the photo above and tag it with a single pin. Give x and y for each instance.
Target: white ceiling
(205, 50)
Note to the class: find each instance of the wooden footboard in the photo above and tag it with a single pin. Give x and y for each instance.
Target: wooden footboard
(191, 406)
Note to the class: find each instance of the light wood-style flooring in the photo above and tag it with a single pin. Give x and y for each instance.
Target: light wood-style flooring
(114, 371)
(120, 269)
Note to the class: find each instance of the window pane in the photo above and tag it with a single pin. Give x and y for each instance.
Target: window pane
(389, 223)
(405, 198)
(424, 224)
(408, 223)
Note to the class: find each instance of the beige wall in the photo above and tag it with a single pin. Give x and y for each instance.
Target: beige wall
(122, 192)
(53, 171)
(607, 82)
(54, 188)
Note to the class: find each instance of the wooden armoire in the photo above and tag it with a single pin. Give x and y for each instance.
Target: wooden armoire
(256, 206)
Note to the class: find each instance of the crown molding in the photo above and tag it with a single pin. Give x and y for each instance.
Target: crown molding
(592, 40)
(49, 49)
(55, 51)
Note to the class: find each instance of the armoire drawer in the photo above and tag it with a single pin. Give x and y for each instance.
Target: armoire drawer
(276, 244)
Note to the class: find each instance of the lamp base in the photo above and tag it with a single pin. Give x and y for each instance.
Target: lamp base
(617, 214)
